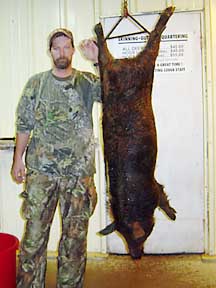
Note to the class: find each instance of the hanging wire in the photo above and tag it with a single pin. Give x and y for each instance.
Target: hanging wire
(126, 14)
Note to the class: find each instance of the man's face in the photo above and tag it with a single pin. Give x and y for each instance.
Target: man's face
(62, 52)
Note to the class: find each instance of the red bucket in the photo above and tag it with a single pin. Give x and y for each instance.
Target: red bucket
(8, 246)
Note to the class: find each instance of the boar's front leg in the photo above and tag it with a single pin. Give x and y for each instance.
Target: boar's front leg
(164, 204)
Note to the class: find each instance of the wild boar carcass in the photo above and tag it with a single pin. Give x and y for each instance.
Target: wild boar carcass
(130, 141)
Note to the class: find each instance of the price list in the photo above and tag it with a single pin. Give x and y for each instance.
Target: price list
(172, 57)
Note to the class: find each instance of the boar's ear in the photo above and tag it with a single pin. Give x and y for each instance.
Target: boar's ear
(108, 229)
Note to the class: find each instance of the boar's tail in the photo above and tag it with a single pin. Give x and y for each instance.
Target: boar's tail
(108, 229)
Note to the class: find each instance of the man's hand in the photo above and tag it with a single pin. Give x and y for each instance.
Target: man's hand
(18, 170)
(89, 50)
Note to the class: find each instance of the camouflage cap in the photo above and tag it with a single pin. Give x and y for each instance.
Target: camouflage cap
(59, 32)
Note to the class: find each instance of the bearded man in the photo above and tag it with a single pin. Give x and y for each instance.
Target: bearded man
(54, 127)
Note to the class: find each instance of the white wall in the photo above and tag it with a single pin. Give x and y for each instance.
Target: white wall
(23, 51)
(210, 129)
(25, 26)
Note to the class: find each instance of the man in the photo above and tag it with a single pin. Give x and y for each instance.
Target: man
(54, 119)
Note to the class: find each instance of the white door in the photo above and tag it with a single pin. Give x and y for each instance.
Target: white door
(178, 107)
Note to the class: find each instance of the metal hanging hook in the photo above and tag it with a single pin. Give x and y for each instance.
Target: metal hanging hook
(125, 9)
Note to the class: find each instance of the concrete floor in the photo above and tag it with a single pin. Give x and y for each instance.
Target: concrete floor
(155, 271)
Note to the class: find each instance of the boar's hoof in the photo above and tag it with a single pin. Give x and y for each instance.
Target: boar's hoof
(170, 212)
(108, 229)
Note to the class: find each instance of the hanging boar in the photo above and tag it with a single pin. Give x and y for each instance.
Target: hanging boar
(130, 139)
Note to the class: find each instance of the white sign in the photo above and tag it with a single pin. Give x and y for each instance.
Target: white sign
(175, 47)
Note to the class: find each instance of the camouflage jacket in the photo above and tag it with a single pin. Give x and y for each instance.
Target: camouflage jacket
(58, 114)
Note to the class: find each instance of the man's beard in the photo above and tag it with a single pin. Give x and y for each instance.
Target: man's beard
(62, 63)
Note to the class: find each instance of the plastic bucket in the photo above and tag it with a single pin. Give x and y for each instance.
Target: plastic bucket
(8, 246)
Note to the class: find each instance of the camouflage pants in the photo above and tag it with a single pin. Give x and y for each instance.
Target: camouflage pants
(77, 199)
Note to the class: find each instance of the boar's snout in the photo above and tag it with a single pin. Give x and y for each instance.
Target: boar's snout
(135, 237)
(136, 252)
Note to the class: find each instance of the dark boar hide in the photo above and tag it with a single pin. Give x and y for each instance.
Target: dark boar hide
(130, 141)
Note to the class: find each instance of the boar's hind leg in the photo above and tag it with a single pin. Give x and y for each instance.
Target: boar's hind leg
(104, 54)
(166, 14)
(164, 204)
